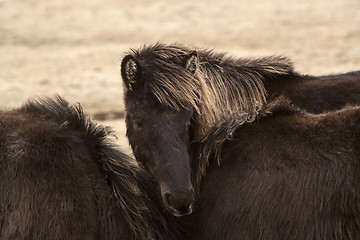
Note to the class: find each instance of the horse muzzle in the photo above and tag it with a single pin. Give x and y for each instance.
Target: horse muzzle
(180, 203)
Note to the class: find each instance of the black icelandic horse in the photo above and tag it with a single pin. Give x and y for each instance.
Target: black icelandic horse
(288, 175)
(165, 86)
(62, 178)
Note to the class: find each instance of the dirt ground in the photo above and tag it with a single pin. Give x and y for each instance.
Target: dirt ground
(74, 48)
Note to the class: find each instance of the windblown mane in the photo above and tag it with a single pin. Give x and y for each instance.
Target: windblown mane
(138, 203)
(221, 86)
(208, 148)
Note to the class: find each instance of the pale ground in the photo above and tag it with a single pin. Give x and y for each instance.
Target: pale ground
(74, 48)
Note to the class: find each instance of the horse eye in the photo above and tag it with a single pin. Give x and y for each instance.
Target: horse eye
(137, 124)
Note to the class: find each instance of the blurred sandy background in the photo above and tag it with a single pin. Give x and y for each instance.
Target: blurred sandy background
(74, 48)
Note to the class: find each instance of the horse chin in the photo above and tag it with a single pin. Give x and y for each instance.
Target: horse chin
(179, 213)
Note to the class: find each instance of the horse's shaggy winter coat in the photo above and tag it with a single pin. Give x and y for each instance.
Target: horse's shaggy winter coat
(287, 175)
(165, 84)
(61, 178)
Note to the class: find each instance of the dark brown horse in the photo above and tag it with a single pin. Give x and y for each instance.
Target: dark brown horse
(174, 96)
(62, 178)
(287, 175)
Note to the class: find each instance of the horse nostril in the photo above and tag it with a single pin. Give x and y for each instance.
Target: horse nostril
(167, 200)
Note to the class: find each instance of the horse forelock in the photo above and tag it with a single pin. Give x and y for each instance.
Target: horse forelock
(163, 73)
(174, 87)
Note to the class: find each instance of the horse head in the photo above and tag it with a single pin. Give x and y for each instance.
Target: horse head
(158, 127)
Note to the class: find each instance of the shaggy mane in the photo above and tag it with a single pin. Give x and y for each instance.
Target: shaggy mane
(122, 175)
(221, 86)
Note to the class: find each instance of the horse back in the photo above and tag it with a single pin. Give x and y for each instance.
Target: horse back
(317, 94)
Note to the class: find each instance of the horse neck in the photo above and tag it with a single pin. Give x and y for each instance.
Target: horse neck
(206, 150)
(230, 98)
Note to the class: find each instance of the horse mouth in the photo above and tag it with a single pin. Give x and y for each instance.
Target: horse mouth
(179, 212)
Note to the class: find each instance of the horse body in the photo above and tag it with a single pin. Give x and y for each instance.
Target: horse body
(61, 178)
(288, 175)
(174, 95)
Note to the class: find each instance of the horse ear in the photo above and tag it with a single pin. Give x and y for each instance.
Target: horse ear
(130, 70)
(191, 62)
